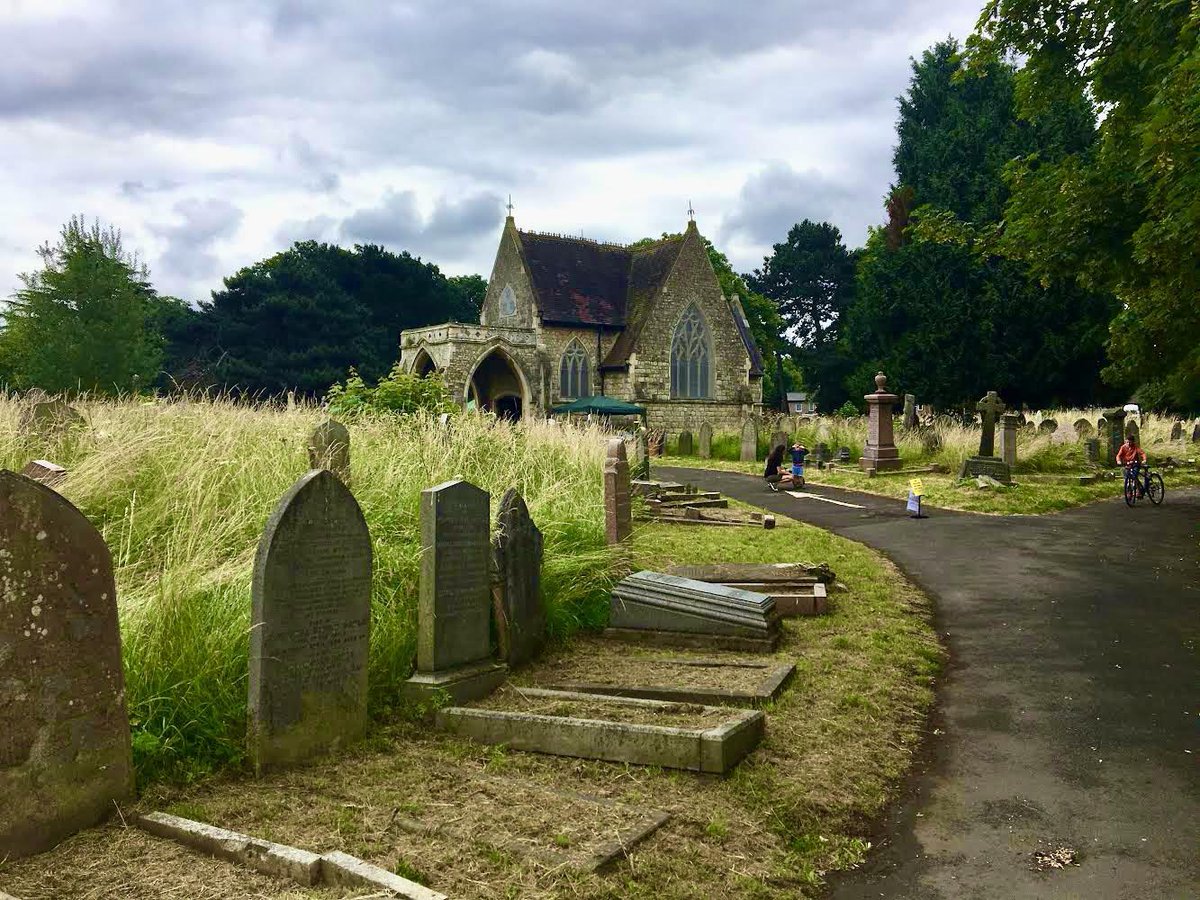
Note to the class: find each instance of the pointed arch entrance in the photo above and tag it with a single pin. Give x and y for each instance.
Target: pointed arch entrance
(498, 385)
(423, 365)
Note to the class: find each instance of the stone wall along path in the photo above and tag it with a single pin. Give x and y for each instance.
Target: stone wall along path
(329, 448)
(517, 563)
(311, 623)
(64, 746)
(454, 643)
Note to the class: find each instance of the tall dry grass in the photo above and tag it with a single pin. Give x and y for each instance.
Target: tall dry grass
(181, 492)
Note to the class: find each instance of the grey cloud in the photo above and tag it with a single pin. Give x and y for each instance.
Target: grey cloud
(450, 228)
(318, 228)
(203, 222)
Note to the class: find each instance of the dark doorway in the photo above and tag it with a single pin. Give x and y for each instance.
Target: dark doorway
(496, 387)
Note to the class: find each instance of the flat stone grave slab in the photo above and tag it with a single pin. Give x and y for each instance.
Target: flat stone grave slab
(794, 589)
(617, 729)
(589, 669)
(692, 515)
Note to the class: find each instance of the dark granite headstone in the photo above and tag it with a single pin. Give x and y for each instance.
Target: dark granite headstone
(1196, 433)
(311, 624)
(686, 445)
(705, 441)
(749, 449)
(618, 512)
(991, 466)
(517, 563)
(454, 651)
(985, 462)
(843, 455)
(329, 448)
(1177, 430)
(45, 472)
(64, 739)
(1116, 432)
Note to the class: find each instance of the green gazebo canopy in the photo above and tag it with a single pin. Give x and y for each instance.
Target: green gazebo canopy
(600, 405)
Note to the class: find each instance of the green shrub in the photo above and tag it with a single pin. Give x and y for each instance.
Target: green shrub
(398, 393)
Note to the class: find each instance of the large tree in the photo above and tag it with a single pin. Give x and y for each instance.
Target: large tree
(87, 321)
(300, 319)
(1120, 215)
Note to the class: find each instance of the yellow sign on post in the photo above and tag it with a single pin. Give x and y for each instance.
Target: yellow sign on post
(915, 487)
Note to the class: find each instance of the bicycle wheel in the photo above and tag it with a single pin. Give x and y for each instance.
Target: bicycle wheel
(1156, 489)
(1130, 491)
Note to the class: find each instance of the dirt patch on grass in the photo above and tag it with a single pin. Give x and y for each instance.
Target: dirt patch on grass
(117, 862)
(608, 709)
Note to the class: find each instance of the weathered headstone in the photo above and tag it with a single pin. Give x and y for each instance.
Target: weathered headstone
(1196, 433)
(1008, 438)
(1091, 449)
(45, 472)
(454, 650)
(822, 453)
(311, 623)
(1083, 429)
(686, 445)
(65, 753)
(880, 452)
(1047, 426)
(517, 564)
(1132, 430)
(749, 441)
(618, 514)
(640, 465)
(329, 448)
(985, 461)
(843, 455)
(1177, 430)
(49, 418)
(1116, 432)
(705, 441)
(778, 438)
(910, 412)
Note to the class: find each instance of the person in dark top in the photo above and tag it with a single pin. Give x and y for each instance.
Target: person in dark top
(771, 473)
(799, 455)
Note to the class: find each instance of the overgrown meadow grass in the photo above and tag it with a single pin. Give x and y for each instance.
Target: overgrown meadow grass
(181, 492)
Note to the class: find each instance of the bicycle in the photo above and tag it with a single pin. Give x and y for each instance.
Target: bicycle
(1146, 483)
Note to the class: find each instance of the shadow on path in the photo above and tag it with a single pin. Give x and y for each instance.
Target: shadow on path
(1071, 705)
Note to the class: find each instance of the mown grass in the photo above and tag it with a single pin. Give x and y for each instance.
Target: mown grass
(181, 492)
(1046, 474)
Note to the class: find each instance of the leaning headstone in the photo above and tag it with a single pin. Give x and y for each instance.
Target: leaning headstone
(517, 564)
(65, 755)
(454, 644)
(329, 448)
(1177, 430)
(749, 441)
(1008, 438)
(311, 624)
(45, 472)
(1083, 429)
(686, 445)
(779, 438)
(705, 441)
(910, 412)
(985, 462)
(1116, 432)
(618, 512)
(880, 452)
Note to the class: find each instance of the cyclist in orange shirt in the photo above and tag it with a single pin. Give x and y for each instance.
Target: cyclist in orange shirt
(1132, 457)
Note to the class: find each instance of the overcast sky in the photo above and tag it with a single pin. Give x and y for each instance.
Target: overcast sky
(215, 133)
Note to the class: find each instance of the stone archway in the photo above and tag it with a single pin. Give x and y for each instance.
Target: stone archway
(498, 385)
(423, 364)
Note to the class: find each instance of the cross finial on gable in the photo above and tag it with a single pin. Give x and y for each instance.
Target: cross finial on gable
(691, 212)
(509, 207)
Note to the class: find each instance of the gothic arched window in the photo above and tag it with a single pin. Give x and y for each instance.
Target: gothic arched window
(573, 374)
(691, 367)
(508, 302)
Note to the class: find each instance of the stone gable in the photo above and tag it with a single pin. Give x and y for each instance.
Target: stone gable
(509, 270)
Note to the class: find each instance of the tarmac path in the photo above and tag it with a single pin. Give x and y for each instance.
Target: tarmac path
(1069, 714)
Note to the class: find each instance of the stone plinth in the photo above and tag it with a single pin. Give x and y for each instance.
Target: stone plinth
(1009, 423)
(618, 515)
(880, 453)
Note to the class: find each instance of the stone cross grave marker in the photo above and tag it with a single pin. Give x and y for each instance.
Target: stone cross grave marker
(1177, 430)
(311, 622)
(65, 753)
(618, 512)
(705, 441)
(990, 408)
(1008, 438)
(749, 452)
(910, 411)
(329, 448)
(686, 446)
(454, 643)
(517, 564)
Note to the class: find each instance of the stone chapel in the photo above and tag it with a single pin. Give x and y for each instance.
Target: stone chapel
(567, 317)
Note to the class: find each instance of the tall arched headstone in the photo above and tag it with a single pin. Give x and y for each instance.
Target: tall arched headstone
(517, 564)
(705, 441)
(749, 440)
(311, 625)
(329, 448)
(686, 444)
(64, 733)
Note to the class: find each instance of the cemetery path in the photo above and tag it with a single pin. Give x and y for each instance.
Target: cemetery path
(1068, 713)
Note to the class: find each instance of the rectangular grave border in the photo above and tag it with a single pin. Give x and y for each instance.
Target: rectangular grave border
(713, 750)
(688, 640)
(775, 680)
(281, 861)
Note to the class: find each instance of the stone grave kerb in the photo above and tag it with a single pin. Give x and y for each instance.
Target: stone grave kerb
(880, 452)
(65, 752)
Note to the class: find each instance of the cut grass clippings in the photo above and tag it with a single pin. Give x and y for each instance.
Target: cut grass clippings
(482, 822)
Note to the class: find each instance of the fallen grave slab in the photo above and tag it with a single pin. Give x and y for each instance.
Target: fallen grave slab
(728, 683)
(616, 729)
(659, 608)
(726, 572)
(691, 515)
